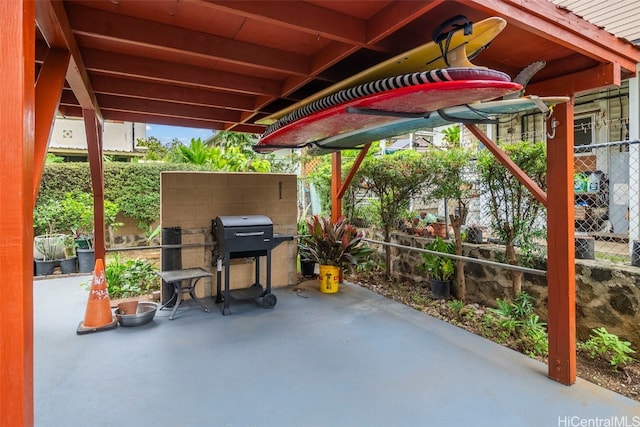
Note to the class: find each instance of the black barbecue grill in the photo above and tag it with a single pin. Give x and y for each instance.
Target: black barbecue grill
(249, 236)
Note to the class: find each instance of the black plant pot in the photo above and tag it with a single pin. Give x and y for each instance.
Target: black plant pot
(307, 268)
(44, 268)
(86, 260)
(69, 265)
(440, 289)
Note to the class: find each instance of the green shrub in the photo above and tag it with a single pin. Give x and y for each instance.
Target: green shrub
(131, 278)
(608, 346)
(134, 187)
(515, 322)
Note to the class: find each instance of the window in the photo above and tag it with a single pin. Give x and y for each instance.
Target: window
(584, 133)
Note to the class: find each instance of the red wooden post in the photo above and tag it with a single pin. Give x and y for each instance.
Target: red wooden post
(94, 146)
(48, 92)
(561, 247)
(17, 113)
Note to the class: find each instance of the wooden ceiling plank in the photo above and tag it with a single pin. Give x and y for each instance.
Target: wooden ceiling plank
(395, 16)
(96, 23)
(161, 119)
(181, 74)
(304, 17)
(164, 92)
(68, 98)
(53, 24)
(246, 128)
(574, 84)
(544, 19)
(112, 102)
(332, 54)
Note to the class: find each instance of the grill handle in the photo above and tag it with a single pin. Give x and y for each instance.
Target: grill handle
(253, 233)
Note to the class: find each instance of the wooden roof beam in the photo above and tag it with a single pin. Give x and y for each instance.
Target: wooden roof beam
(544, 19)
(170, 121)
(169, 109)
(572, 84)
(182, 42)
(166, 92)
(173, 73)
(303, 17)
(395, 16)
(53, 23)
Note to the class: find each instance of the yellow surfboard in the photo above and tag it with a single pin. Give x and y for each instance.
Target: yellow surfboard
(422, 58)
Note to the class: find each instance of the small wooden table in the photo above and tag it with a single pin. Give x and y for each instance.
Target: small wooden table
(177, 277)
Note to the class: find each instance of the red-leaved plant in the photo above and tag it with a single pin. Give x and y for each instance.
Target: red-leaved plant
(338, 244)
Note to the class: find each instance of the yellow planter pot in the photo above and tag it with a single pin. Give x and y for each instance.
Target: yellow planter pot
(329, 279)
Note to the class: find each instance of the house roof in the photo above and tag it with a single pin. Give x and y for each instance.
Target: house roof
(619, 17)
(225, 64)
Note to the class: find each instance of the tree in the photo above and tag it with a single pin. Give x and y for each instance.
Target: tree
(155, 149)
(236, 152)
(453, 181)
(196, 152)
(452, 136)
(516, 215)
(394, 179)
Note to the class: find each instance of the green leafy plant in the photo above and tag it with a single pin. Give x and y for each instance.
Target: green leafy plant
(456, 306)
(439, 267)
(69, 246)
(77, 215)
(338, 244)
(516, 321)
(608, 346)
(130, 278)
(302, 232)
(150, 233)
(451, 136)
(46, 217)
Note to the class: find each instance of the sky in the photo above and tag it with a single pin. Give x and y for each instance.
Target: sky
(166, 134)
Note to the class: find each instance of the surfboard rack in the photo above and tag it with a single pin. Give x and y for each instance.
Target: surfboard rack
(385, 113)
(483, 119)
(454, 119)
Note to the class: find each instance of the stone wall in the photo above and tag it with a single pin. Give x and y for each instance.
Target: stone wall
(607, 294)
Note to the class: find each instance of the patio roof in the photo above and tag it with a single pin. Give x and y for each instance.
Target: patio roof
(225, 64)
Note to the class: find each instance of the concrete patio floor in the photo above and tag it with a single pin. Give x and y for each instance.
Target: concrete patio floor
(347, 359)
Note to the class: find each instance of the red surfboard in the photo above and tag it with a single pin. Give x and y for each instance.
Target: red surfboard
(377, 109)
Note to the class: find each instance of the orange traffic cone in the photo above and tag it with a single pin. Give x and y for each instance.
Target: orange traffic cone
(98, 316)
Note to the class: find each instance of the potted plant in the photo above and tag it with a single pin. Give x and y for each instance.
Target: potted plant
(49, 246)
(307, 263)
(441, 269)
(69, 263)
(333, 247)
(46, 217)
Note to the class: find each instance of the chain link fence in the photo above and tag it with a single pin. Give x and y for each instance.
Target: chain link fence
(601, 201)
(602, 198)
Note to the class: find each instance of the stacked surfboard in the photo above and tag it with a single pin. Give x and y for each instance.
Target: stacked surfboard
(424, 87)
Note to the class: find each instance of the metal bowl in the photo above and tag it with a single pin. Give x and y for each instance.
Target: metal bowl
(145, 313)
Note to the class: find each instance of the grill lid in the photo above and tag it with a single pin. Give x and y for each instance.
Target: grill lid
(244, 221)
